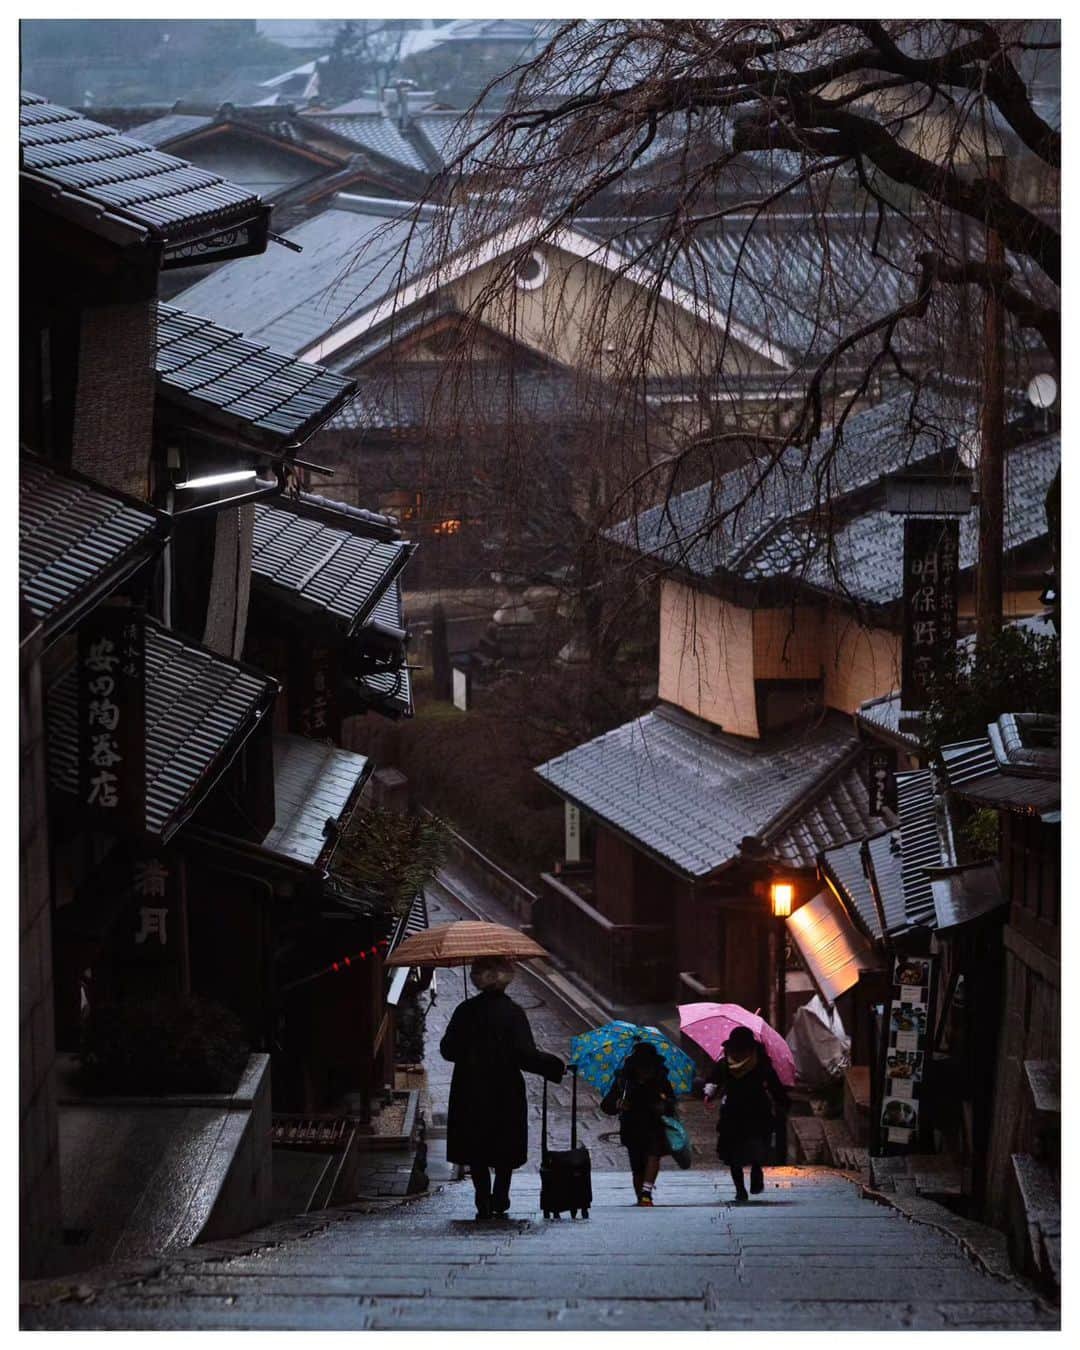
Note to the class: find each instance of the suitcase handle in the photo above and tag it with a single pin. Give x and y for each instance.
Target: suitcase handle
(573, 1114)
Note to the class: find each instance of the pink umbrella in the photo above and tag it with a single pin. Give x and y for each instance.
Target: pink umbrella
(710, 1024)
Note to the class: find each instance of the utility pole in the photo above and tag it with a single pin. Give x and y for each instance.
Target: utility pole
(990, 580)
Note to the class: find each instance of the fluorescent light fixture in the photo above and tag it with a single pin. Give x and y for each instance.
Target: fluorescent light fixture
(214, 479)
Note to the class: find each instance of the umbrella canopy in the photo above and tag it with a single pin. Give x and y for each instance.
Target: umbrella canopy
(457, 944)
(710, 1024)
(599, 1054)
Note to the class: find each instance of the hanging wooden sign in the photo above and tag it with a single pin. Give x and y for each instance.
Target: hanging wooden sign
(111, 679)
(931, 571)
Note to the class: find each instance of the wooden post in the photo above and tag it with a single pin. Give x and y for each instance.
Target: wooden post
(990, 582)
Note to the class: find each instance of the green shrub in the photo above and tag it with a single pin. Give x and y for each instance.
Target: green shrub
(167, 1043)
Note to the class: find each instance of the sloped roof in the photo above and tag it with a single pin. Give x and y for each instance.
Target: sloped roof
(834, 950)
(223, 377)
(925, 841)
(77, 540)
(691, 795)
(339, 570)
(63, 154)
(884, 856)
(843, 866)
(378, 134)
(313, 782)
(350, 259)
(388, 692)
(705, 530)
(200, 708)
(162, 130)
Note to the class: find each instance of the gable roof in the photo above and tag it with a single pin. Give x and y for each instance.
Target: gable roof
(291, 299)
(691, 795)
(78, 540)
(221, 377)
(111, 181)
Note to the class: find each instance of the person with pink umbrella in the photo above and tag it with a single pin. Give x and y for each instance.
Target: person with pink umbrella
(753, 1104)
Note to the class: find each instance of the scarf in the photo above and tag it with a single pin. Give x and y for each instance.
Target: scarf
(738, 1068)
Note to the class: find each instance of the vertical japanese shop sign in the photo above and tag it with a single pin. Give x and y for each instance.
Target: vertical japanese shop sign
(931, 558)
(881, 775)
(111, 679)
(908, 1032)
(313, 693)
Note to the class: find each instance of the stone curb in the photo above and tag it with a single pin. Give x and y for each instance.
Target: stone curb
(85, 1285)
(985, 1246)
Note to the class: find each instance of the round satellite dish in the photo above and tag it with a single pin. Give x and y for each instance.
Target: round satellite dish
(1042, 392)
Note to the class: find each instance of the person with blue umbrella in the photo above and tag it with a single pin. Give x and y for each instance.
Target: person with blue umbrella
(638, 1073)
(641, 1096)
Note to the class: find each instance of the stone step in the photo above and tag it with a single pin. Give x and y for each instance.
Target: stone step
(1040, 1197)
(806, 1137)
(838, 1141)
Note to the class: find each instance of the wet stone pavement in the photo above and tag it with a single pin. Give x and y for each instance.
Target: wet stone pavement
(810, 1253)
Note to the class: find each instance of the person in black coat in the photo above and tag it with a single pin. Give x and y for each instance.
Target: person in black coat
(641, 1094)
(489, 1042)
(753, 1103)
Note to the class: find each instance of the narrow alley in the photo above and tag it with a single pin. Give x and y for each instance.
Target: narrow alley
(811, 1253)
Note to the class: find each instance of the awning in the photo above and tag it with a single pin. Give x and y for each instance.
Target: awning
(315, 786)
(77, 542)
(835, 952)
(966, 894)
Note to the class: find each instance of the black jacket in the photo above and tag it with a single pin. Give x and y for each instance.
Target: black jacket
(751, 1108)
(489, 1042)
(640, 1106)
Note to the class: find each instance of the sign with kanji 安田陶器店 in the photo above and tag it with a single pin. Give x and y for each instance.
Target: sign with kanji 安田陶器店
(931, 569)
(111, 678)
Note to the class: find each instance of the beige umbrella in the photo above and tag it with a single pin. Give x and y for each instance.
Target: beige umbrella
(458, 944)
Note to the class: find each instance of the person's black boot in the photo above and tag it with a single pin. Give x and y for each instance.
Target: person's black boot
(757, 1180)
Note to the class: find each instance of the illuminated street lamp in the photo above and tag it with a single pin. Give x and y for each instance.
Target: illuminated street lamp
(781, 893)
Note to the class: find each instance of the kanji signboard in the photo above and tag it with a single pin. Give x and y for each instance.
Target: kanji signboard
(314, 706)
(111, 679)
(881, 776)
(931, 569)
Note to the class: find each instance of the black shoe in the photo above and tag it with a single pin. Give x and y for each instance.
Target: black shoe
(500, 1209)
(741, 1198)
(482, 1214)
(757, 1181)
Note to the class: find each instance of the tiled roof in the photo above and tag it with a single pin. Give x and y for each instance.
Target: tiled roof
(883, 856)
(999, 770)
(314, 782)
(691, 795)
(76, 537)
(388, 692)
(785, 280)
(219, 375)
(924, 841)
(379, 134)
(63, 152)
(839, 811)
(414, 395)
(349, 261)
(705, 530)
(339, 570)
(200, 708)
(844, 868)
(967, 894)
(870, 548)
(169, 128)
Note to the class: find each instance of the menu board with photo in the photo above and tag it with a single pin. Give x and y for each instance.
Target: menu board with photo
(907, 1030)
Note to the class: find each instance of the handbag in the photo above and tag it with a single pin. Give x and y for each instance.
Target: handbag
(678, 1140)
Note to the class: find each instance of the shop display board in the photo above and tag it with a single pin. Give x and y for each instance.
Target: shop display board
(907, 1035)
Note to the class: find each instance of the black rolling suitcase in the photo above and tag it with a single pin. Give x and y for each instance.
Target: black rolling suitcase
(566, 1177)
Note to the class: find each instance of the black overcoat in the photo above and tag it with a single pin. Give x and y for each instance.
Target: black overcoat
(489, 1042)
(751, 1108)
